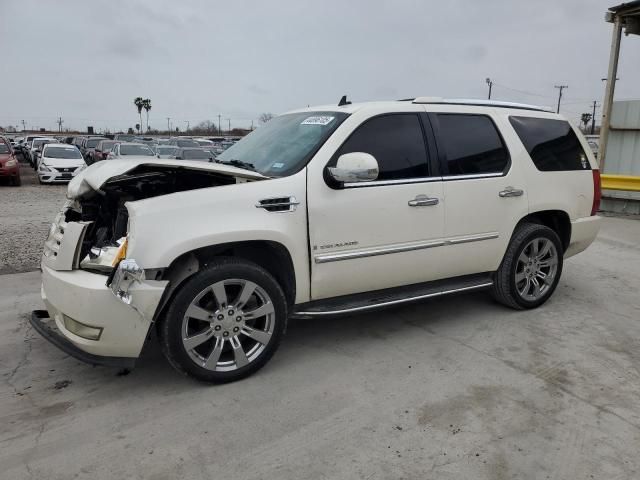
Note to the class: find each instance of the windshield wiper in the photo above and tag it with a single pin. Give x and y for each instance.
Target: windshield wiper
(239, 164)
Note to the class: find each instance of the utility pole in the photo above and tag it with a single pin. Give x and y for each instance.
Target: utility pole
(60, 122)
(228, 131)
(24, 127)
(219, 129)
(593, 117)
(168, 128)
(252, 125)
(560, 87)
(490, 83)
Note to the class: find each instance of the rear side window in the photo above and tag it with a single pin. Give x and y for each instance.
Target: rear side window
(552, 144)
(397, 143)
(472, 144)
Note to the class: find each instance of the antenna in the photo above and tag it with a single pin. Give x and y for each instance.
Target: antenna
(343, 101)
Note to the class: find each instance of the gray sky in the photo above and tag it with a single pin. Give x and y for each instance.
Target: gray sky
(87, 60)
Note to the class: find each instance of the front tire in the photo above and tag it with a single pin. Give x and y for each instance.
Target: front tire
(225, 322)
(531, 267)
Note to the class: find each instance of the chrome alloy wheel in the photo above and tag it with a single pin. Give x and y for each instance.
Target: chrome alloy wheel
(223, 335)
(536, 268)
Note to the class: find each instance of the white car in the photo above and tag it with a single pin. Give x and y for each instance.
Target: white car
(59, 163)
(35, 149)
(130, 150)
(323, 211)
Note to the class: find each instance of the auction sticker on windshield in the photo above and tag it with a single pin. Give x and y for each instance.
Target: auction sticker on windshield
(317, 120)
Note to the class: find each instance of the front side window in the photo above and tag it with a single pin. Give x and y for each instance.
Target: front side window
(471, 143)
(552, 144)
(397, 143)
(284, 144)
(4, 148)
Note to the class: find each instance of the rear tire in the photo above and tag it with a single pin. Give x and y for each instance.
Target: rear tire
(225, 322)
(531, 267)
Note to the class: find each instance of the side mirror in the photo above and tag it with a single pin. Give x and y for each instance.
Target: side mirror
(355, 167)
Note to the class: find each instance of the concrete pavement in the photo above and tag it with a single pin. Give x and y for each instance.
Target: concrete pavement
(454, 388)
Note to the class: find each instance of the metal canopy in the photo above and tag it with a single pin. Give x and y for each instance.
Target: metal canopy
(624, 16)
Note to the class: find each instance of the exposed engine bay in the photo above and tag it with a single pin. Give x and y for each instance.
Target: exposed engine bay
(105, 207)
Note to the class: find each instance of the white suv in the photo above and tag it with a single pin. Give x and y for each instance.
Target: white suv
(322, 211)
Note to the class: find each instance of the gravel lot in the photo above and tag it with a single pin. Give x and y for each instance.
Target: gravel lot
(25, 216)
(458, 388)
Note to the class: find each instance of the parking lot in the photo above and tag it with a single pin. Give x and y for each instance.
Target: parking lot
(453, 388)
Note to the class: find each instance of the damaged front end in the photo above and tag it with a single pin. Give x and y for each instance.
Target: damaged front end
(104, 243)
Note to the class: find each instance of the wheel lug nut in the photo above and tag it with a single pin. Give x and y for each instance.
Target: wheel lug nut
(220, 317)
(238, 319)
(225, 334)
(217, 327)
(236, 329)
(230, 312)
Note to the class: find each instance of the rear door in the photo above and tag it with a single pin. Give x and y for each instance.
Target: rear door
(484, 189)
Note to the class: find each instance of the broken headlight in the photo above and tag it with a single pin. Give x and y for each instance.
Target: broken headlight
(105, 258)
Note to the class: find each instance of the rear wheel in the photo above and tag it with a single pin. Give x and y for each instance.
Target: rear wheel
(225, 323)
(531, 268)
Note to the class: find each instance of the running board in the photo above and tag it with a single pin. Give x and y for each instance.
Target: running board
(362, 302)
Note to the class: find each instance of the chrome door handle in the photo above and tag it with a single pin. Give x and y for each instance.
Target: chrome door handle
(511, 192)
(423, 201)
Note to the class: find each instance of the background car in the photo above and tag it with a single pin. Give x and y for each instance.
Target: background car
(166, 151)
(88, 147)
(59, 163)
(193, 154)
(101, 151)
(9, 168)
(130, 149)
(36, 148)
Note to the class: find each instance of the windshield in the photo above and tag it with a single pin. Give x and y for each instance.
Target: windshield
(61, 152)
(4, 148)
(124, 138)
(284, 144)
(187, 143)
(166, 150)
(135, 150)
(39, 143)
(105, 145)
(92, 142)
(196, 155)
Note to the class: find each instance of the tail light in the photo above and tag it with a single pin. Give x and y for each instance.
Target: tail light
(597, 192)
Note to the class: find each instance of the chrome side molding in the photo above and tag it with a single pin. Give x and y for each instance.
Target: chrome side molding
(385, 250)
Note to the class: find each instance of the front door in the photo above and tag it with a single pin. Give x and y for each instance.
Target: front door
(385, 233)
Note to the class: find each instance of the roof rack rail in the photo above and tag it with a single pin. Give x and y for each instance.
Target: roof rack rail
(481, 103)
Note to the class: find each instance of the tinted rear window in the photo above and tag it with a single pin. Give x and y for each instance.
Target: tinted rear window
(92, 142)
(472, 144)
(4, 148)
(552, 144)
(135, 150)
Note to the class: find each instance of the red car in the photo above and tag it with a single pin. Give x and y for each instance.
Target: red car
(9, 167)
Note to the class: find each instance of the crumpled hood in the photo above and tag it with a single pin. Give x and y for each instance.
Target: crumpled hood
(94, 176)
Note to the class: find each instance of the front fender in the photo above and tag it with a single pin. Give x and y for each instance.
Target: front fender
(166, 227)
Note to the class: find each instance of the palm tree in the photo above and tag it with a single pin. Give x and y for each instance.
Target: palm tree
(146, 104)
(138, 103)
